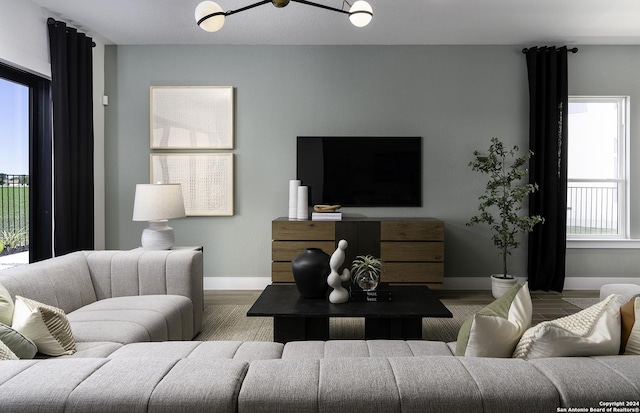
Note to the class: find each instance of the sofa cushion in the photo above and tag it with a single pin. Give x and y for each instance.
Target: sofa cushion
(593, 331)
(282, 386)
(589, 381)
(199, 386)
(44, 384)
(134, 319)
(47, 326)
(630, 326)
(20, 345)
(6, 353)
(6, 306)
(495, 330)
(122, 385)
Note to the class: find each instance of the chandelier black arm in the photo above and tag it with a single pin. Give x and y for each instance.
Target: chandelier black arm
(230, 12)
(251, 6)
(322, 6)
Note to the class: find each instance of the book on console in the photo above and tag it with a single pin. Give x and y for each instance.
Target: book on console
(326, 216)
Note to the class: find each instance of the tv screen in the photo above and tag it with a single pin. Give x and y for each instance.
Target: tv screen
(361, 171)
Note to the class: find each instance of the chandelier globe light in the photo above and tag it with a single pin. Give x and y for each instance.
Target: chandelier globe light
(210, 16)
(215, 16)
(360, 13)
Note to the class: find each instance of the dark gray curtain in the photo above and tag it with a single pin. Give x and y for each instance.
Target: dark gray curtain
(71, 89)
(548, 97)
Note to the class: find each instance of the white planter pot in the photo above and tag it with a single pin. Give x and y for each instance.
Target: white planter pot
(499, 286)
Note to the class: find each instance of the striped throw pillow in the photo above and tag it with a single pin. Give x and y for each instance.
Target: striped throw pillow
(47, 326)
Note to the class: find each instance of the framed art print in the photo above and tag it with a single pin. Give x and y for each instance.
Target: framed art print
(191, 117)
(206, 179)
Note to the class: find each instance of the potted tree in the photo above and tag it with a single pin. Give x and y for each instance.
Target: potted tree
(501, 205)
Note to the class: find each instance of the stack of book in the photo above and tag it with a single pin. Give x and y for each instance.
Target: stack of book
(381, 293)
(326, 216)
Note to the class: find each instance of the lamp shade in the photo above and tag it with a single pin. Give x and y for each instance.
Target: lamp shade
(213, 23)
(157, 202)
(360, 13)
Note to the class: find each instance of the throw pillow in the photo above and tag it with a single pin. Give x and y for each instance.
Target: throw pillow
(630, 324)
(6, 353)
(6, 306)
(594, 331)
(46, 325)
(495, 330)
(20, 345)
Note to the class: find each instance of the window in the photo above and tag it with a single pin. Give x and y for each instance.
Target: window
(597, 168)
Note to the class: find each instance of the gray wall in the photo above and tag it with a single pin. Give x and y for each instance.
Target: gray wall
(455, 97)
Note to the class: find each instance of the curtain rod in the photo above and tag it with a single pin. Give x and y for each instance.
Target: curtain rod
(572, 50)
(51, 20)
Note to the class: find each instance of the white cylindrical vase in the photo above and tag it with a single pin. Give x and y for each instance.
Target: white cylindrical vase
(293, 198)
(303, 203)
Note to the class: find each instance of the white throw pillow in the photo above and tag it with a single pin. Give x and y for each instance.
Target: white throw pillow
(6, 306)
(594, 331)
(495, 330)
(45, 325)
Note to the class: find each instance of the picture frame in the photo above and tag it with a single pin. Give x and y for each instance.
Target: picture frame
(206, 179)
(191, 117)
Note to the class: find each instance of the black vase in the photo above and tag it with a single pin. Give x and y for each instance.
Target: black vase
(310, 272)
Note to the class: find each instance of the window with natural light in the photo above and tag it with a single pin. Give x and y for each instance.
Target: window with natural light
(597, 170)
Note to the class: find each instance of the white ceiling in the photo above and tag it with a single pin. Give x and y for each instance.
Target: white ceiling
(517, 22)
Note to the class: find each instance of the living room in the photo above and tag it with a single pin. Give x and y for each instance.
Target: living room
(455, 96)
(137, 336)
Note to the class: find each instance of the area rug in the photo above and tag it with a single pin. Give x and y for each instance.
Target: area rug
(582, 302)
(229, 322)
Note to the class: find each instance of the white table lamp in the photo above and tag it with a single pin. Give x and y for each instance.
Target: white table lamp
(157, 203)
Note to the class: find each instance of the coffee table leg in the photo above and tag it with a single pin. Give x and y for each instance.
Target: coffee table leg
(407, 328)
(287, 329)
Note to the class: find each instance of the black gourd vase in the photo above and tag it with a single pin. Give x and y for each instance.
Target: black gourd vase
(310, 272)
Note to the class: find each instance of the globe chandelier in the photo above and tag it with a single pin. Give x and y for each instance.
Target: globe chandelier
(210, 16)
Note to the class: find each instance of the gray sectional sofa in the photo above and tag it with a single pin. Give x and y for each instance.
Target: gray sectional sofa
(138, 373)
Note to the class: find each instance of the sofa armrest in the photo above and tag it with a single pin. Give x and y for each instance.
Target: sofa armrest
(144, 272)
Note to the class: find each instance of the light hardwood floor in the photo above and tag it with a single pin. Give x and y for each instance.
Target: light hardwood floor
(546, 305)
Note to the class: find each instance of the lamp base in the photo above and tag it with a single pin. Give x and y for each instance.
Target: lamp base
(158, 236)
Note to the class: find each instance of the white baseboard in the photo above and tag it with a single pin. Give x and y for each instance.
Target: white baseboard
(236, 283)
(450, 283)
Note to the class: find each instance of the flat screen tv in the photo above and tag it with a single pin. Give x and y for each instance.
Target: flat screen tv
(361, 171)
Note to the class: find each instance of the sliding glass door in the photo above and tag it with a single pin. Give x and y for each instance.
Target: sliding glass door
(25, 167)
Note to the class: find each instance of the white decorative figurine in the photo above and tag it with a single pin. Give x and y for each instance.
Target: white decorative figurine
(339, 293)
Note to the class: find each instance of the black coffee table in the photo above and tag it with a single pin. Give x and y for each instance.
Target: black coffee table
(296, 318)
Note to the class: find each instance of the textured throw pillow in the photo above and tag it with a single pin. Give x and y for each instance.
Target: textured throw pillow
(594, 331)
(46, 325)
(6, 306)
(20, 345)
(6, 353)
(630, 323)
(495, 330)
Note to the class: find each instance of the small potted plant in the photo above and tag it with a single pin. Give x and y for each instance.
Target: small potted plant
(366, 271)
(500, 206)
